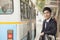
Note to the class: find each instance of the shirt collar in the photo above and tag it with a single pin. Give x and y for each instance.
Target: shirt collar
(48, 19)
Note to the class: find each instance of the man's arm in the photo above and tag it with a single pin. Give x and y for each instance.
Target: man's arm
(42, 27)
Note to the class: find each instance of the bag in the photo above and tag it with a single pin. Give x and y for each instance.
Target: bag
(40, 38)
(47, 37)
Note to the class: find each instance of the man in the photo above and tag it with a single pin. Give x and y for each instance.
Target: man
(49, 24)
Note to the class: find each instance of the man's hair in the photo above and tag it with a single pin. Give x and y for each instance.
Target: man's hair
(47, 8)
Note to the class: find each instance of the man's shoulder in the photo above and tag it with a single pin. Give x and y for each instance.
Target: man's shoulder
(53, 20)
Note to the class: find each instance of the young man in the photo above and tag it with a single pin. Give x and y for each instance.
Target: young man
(49, 24)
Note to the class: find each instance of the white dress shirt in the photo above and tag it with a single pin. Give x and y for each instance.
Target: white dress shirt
(47, 21)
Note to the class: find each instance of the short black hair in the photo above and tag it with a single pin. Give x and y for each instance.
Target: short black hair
(47, 8)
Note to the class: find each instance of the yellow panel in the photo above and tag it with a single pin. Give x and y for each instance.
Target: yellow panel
(13, 22)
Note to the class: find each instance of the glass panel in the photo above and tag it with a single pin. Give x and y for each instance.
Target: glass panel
(21, 6)
(24, 10)
(23, 0)
(59, 27)
(53, 0)
(24, 14)
(27, 11)
(6, 6)
(28, 15)
(27, 1)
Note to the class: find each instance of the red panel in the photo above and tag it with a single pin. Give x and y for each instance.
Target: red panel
(10, 36)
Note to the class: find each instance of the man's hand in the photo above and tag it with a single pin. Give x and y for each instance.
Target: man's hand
(42, 34)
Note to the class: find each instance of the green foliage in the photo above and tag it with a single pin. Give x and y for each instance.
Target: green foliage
(40, 4)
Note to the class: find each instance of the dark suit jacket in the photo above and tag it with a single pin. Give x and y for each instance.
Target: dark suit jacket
(51, 27)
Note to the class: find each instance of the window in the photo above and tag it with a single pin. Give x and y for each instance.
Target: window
(24, 7)
(27, 1)
(6, 6)
(53, 0)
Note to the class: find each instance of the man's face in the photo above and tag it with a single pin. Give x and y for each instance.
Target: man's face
(47, 14)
